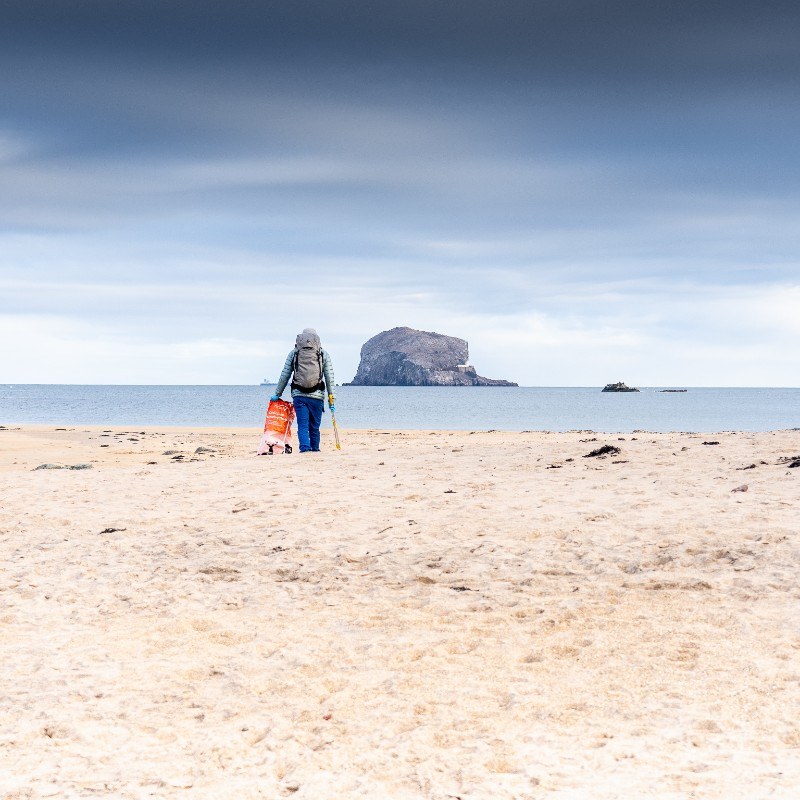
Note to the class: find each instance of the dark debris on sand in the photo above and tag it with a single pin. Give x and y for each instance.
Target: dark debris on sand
(605, 450)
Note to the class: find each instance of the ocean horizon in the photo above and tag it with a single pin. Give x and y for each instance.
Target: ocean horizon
(701, 409)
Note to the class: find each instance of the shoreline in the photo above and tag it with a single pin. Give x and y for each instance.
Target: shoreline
(412, 408)
(128, 445)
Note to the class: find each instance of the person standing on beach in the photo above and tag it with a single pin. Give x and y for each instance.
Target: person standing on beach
(311, 370)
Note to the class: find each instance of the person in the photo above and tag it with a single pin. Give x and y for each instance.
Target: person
(311, 370)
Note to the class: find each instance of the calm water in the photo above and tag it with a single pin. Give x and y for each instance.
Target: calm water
(454, 408)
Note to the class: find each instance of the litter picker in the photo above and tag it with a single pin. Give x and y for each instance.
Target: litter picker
(335, 426)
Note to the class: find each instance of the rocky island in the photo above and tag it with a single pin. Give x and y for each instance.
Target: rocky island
(619, 387)
(408, 357)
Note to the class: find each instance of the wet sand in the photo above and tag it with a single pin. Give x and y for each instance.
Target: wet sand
(421, 615)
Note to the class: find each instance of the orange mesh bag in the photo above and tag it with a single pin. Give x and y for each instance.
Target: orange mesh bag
(277, 428)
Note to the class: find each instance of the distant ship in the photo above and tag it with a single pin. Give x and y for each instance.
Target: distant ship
(267, 382)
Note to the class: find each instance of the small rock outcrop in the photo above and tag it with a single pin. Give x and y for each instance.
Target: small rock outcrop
(408, 357)
(618, 387)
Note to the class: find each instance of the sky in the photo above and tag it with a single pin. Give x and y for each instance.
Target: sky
(586, 191)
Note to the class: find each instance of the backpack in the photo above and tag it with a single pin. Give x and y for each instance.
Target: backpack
(307, 365)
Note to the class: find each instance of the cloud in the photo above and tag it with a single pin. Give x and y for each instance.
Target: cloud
(612, 185)
(632, 337)
(535, 34)
(52, 349)
(12, 147)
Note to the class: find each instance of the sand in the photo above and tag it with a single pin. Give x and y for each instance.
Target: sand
(421, 615)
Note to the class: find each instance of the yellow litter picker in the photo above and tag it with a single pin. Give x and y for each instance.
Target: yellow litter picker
(335, 426)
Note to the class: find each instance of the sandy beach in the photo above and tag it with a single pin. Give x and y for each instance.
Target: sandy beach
(421, 615)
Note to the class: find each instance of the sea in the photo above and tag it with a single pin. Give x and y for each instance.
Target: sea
(422, 408)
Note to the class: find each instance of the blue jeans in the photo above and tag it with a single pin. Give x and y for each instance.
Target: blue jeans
(308, 411)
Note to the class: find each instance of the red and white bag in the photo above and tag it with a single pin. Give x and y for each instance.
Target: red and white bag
(277, 428)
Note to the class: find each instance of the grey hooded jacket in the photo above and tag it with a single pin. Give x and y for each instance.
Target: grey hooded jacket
(288, 368)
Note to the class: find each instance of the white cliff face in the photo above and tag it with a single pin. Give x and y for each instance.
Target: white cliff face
(408, 357)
